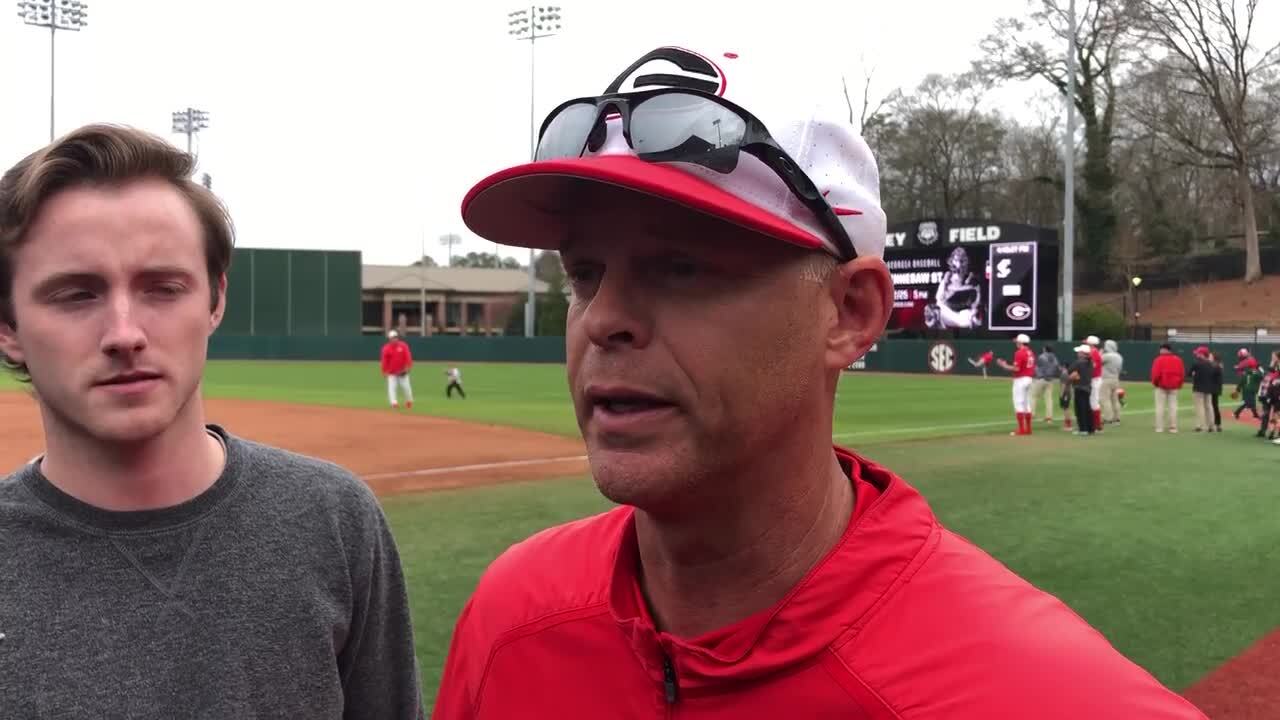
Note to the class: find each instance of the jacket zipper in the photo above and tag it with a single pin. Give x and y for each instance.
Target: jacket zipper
(669, 679)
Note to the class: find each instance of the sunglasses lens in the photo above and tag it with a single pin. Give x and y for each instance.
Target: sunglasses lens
(566, 134)
(688, 128)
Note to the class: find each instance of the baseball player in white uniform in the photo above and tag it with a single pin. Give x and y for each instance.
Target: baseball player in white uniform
(1024, 370)
(1095, 382)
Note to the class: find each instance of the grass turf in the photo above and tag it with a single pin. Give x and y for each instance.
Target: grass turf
(1161, 542)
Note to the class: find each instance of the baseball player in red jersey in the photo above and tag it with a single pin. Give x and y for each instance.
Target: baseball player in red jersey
(983, 362)
(397, 360)
(1095, 381)
(1024, 372)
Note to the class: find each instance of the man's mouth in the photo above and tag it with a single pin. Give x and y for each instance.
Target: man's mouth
(625, 401)
(130, 378)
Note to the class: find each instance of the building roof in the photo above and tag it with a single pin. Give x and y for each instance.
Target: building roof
(460, 280)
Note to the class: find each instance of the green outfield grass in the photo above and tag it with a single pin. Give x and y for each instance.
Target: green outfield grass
(1163, 542)
(536, 397)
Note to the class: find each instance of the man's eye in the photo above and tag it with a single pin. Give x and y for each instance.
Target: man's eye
(166, 289)
(680, 268)
(583, 274)
(72, 296)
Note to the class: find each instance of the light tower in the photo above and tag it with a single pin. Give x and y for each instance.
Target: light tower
(532, 23)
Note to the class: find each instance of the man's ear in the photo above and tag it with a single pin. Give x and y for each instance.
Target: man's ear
(219, 309)
(9, 345)
(863, 293)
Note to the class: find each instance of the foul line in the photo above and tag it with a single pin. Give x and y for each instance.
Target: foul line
(466, 468)
(969, 426)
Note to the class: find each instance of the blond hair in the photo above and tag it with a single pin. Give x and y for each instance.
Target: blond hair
(102, 154)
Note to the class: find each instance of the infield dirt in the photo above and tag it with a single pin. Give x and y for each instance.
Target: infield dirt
(393, 451)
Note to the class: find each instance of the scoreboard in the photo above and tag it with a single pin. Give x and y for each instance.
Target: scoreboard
(973, 279)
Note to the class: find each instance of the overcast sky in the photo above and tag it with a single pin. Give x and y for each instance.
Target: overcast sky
(360, 125)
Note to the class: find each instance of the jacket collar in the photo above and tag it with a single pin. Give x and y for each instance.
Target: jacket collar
(890, 525)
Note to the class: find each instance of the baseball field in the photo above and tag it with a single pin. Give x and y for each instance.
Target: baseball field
(1166, 543)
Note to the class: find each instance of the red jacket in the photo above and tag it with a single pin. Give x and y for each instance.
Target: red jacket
(902, 619)
(1096, 357)
(1168, 372)
(396, 358)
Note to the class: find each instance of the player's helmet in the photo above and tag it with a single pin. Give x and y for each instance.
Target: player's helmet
(958, 261)
(392, 334)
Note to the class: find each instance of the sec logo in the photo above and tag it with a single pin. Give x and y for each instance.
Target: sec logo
(942, 358)
(1018, 311)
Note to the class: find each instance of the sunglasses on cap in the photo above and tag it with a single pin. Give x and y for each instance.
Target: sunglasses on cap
(676, 124)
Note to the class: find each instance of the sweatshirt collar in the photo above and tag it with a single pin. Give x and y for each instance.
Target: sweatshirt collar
(889, 527)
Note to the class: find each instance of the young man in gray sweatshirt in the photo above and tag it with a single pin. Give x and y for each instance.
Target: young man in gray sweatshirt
(153, 565)
(1112, 369)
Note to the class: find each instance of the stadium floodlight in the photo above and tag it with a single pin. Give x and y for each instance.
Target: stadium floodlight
(55, 15)
(532, 23)
(189, 122)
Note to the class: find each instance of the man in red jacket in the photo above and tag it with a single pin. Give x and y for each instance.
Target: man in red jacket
(750, 570)
(1167, 375)
(397, 361)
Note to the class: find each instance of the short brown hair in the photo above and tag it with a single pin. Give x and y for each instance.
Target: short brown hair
(102, 154)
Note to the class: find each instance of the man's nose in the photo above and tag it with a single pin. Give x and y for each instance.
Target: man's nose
(617, 315)
(123, 333)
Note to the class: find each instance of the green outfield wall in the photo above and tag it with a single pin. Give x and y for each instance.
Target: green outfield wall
(939, 357)
(951, 357)
(304, 293)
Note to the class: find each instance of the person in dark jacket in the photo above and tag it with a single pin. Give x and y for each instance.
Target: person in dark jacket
(1265, 396)
(1081, 374)
(1215, 381)
(1201, 375)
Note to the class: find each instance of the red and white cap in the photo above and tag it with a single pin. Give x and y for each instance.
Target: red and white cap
(522, 205)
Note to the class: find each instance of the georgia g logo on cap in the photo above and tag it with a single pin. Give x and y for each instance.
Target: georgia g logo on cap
(696, 72)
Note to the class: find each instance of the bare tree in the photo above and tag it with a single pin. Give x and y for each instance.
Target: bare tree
(941, 153)
(1214, 47)
(1034, 47)
(868, 115)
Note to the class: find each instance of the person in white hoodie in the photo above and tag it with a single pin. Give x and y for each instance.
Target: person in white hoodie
(1112, 367)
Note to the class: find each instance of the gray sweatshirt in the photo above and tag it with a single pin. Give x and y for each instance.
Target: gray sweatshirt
(277, 593)
(1047, 366)
(1112, 362)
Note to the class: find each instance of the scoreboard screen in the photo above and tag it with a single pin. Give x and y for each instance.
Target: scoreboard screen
(1011, 283)
(971, 279)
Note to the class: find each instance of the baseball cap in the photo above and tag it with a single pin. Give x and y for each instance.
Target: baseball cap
(1083, 349)
(1202, 350)
(524, 205)
(1022, 338)
(1243, 352)
(1092, 340)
